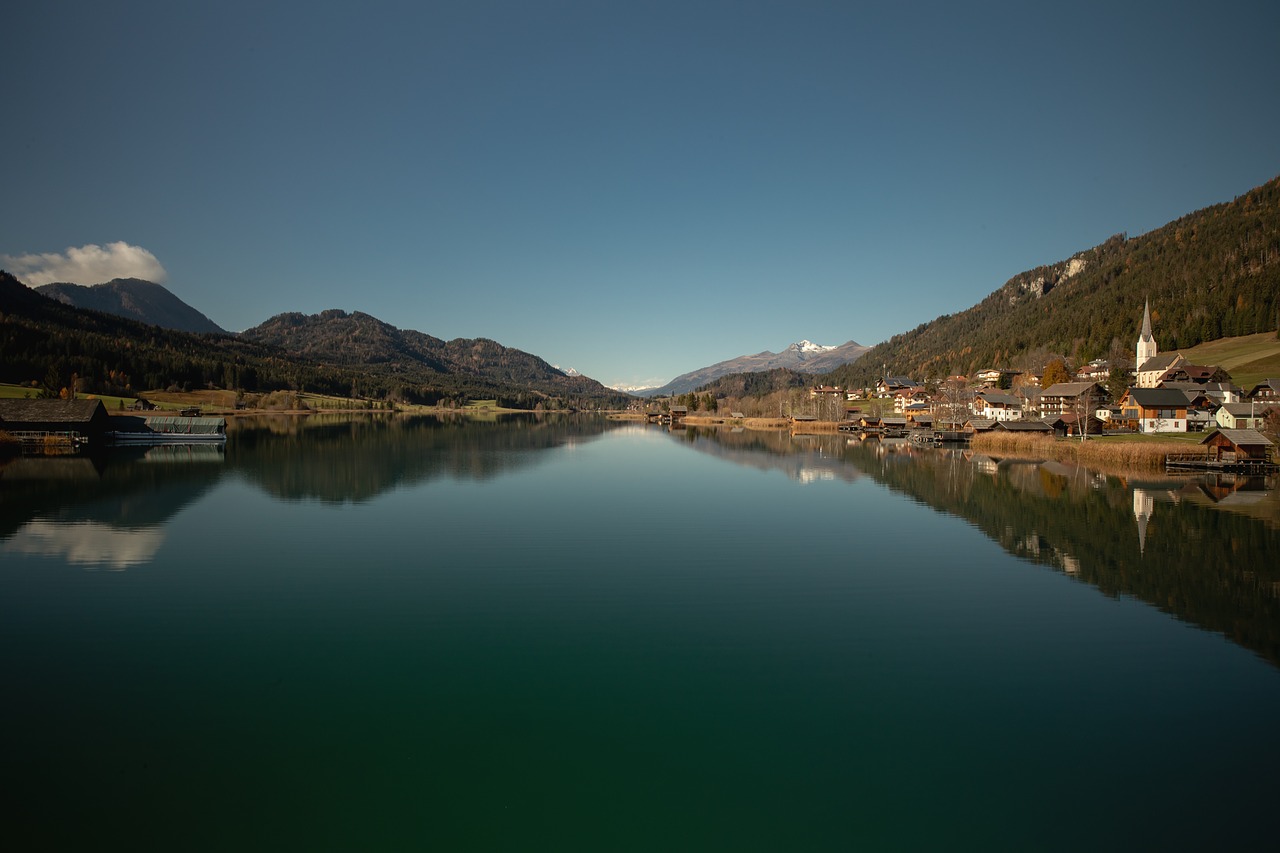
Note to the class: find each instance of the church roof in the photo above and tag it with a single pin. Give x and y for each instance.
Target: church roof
(1161, 362)
(1145, 336)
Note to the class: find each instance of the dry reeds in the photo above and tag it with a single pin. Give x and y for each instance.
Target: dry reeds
(1146, 455)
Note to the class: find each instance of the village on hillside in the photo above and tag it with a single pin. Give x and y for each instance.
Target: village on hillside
(1160, 394)
(1163, 393)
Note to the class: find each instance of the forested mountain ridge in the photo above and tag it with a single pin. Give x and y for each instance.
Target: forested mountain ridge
(45, 341)
(338, 337)
(757, 383)
(1209, 274)
(800, 357)
(136, 299)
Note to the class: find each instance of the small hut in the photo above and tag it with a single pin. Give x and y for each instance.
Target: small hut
(1237, 445)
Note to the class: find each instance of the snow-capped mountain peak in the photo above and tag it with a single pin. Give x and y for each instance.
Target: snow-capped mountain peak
(809, 346)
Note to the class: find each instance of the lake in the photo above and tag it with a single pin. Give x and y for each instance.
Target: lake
(577, 634)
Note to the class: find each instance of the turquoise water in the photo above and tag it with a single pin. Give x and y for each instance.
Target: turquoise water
(573, 635)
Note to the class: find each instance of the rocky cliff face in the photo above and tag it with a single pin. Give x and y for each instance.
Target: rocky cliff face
(1038, 282)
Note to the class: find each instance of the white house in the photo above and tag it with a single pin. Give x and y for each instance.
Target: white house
(996, 406)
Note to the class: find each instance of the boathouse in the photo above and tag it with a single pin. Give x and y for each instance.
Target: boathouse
(78, 421)
(1237, 445)
(1025, 426)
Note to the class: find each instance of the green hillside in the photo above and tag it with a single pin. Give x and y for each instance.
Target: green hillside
(1249, 359)
(1210, 274)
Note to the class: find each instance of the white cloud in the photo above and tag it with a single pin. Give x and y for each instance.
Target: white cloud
(91, 264)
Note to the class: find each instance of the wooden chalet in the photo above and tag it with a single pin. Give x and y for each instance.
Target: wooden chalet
(1154, 410)
(1268, 389)
(678, 414)
(886, 386)
(1198, 373)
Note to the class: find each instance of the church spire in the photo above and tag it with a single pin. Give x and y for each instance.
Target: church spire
(1146, 348)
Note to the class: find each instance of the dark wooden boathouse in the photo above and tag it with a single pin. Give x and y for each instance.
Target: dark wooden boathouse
(44, 422)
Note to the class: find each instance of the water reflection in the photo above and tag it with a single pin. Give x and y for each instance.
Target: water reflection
(86, 543)
(109, 510)
(1202, 548)
(803, 458)
(352, 460)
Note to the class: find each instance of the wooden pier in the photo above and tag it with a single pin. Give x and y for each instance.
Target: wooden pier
(1205, 462)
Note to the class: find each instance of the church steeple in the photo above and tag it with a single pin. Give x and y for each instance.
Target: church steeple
(1146, 341)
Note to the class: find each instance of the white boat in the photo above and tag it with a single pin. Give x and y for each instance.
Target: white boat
(173, 430)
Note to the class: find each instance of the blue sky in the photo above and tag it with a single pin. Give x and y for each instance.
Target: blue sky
(631, 189)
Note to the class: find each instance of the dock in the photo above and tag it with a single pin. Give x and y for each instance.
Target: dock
(1204, 462)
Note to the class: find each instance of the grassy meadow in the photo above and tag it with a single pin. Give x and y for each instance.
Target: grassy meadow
(1249, 359)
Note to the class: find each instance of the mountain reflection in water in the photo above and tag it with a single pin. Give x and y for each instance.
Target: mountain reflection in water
(387, 632)
(1202, 548)
(109, 509)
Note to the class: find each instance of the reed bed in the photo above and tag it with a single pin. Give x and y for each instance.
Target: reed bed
(814, 427)
(1147, 455)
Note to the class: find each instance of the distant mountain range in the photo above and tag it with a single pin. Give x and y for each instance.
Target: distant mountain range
(802, 356)
(46, 341)
(136, 299)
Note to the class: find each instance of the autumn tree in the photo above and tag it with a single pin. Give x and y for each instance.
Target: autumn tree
(1055, 372)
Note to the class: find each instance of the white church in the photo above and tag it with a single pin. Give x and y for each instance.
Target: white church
(1149, 365)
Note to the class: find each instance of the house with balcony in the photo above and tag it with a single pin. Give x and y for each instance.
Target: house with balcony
(1071, 397)
(1149, 410)
(888, 385)
(1268, 389)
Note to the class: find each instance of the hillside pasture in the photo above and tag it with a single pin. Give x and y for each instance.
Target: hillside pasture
(1248, 358)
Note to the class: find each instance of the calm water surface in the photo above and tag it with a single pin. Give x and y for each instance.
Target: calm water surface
(555, 634)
